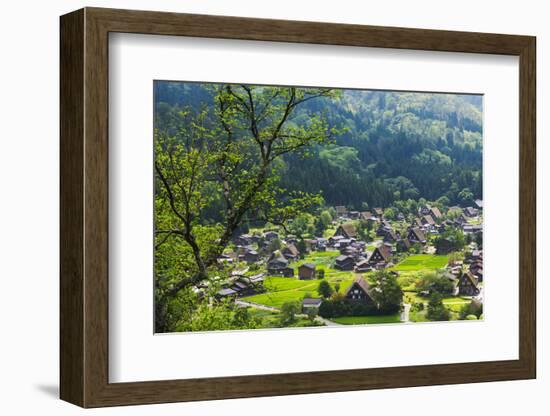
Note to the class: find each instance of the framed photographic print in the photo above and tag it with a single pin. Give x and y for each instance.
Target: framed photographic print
(256, 207)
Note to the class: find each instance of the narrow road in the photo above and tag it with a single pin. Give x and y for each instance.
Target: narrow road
(320, 319)
(327, 322)
(256, 305)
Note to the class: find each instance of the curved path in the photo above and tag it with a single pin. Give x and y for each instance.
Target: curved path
(256, 305)
(273, 309)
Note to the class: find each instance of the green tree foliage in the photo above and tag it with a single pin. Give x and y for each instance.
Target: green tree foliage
(442, 203)
(274, 245)
(396, 145)
(325, 289)
(302, 248)
(326, 218)
(478, 238)
(311, 314)
(218, 166)
(435, 282)
(222, 316)
(302, 224)
(417, 307)
(242, 318)
(465, 197)
(402, 188)
(230, 156)
(474, 308)
(322, 222)
(456, 256)
(386, 292)
(364, 229)
(451, 240)
(389, 214)
(372, 161)
(337, 306)
(288, 312)
(436, 310)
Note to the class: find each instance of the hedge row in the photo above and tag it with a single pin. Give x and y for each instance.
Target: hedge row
(337, 308)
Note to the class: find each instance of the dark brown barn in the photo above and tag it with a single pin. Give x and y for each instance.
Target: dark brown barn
(360, 291)
(363, 266)
(306, 271)
(416, 235)
(391, 237)
(403, 245)
(344, 263)
(277, 264)
(445, 246)
(380, 254)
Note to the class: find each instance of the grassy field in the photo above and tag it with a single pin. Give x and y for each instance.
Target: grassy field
(420, 316)
(282, 284)
(277, 299)
(361, 320)
(456, 299)
(455, 307)
(268, 318)
(417, 316)
(272, 319)
(322, 259)
(285, 289)
(413, 297)
(421, 262)
(455, 304)
(407, 280)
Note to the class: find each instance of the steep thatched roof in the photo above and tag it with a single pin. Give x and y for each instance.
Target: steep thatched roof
(436, 212)
(348, 229)
(291, 248)
(362, 283)
(418, 233)
(277, 256)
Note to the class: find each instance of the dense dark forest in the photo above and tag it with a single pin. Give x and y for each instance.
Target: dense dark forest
(391, 145)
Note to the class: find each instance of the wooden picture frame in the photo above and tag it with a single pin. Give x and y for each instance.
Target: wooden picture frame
(84, 207)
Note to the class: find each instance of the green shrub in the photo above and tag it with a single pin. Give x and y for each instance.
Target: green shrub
(325, 289)
(337, 308)
(436, 310)
(289, 311)
(473, 308)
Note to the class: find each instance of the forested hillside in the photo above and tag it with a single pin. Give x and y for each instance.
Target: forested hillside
(390, 145)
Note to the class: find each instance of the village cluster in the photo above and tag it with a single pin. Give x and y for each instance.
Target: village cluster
(387, 244)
